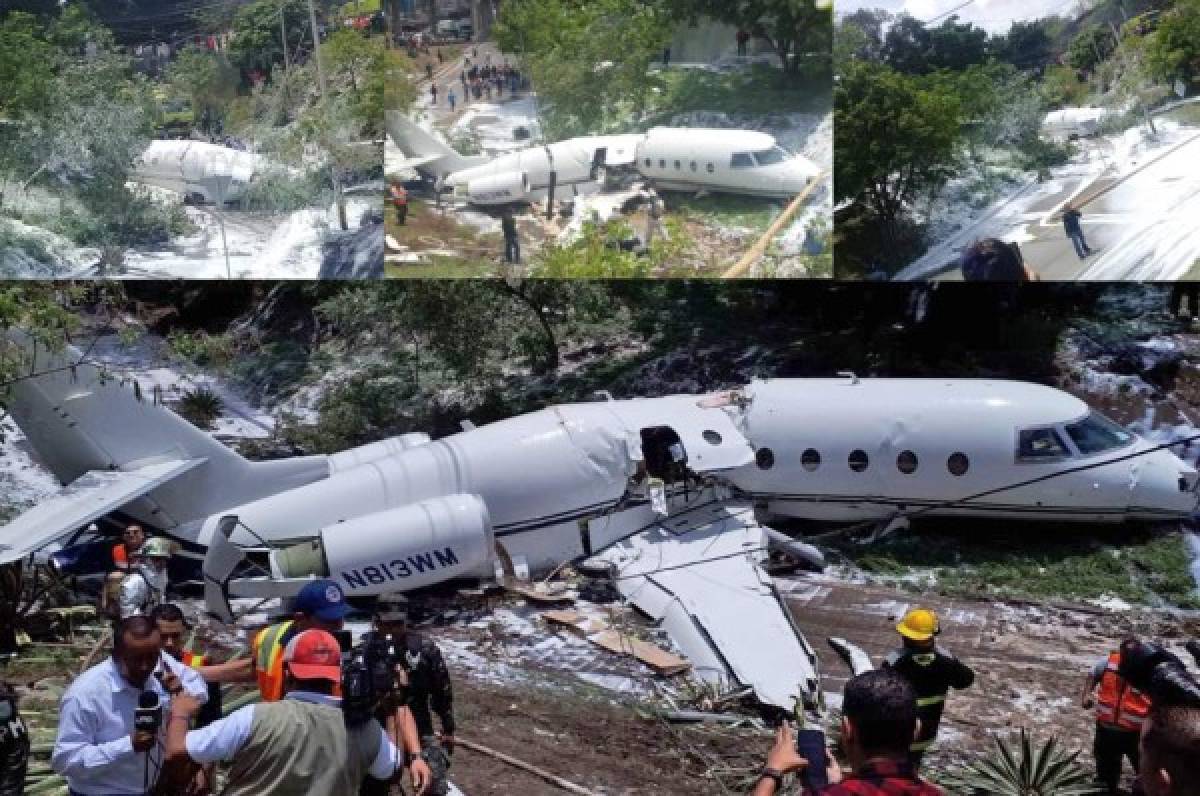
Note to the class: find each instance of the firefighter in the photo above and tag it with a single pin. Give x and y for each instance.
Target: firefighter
(931, 670)
(399, 198)
(1121, 711)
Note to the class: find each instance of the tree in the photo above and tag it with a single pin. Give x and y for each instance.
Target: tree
(957, 46)
(257, 39)
(791, 28)
(209, 82)
(1027, 45)
(860, 35)
(906, 45)
(1093, 45)
(377, 77)
(25, 60)
(1173, 50)
(897, 139)
(588, 60)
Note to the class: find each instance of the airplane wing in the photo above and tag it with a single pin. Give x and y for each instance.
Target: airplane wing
(89, 497)
(699, 576)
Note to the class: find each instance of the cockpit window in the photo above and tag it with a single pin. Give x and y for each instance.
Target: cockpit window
(770, 157)
(1040, 444)
(743, 160)
(1096, 433)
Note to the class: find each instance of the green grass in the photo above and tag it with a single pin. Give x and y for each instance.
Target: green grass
(726, 210)
(1140, 566)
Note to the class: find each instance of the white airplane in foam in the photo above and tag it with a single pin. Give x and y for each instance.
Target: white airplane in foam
(673, 496)
(198, 169)
(675, 159)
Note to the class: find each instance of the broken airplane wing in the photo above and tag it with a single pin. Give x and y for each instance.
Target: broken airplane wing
(87, 498)
(698, 575)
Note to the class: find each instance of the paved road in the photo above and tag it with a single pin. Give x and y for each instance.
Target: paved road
(1141, 225)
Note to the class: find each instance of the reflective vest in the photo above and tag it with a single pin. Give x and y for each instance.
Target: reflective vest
(399, 196)
(193, 660)
(268, 660)
(1119, 704)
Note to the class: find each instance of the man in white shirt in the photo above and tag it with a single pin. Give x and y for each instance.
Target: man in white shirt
(301, 745)
(98, 750)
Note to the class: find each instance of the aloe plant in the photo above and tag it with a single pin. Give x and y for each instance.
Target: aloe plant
(201, 406)
(1022, 767)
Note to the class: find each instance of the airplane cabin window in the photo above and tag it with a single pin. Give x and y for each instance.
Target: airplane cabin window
(1096, 433)
(810, 460)
(712, 169)
(858, 460)
(906, 462)
(649, 163)
(764, 458)
(743, 160)
(958, 463)
(678, 166)
(695, 166)
(662, 163)
(1039, 445)
(711, 437)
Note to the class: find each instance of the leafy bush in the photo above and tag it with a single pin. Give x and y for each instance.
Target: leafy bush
(200, 406)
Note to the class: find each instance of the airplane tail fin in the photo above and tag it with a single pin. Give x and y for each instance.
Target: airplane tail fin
(79, 417)
(428, 154)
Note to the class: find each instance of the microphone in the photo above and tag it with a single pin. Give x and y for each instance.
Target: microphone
(148, 716)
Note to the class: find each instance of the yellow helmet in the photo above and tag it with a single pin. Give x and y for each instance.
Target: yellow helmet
(919, 624)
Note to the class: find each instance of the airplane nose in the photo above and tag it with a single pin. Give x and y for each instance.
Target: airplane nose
(1164, 484)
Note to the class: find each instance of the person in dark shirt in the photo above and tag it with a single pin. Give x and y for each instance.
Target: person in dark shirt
(879, 719)
(14, 744)
(424, 688)
(931, 670)
(1071, 224)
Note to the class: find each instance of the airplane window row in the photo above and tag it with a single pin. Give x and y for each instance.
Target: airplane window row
(957, 463)
(662, 164)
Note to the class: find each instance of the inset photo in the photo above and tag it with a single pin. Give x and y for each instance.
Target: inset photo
(1018, 139)
(615, 138)
(152, 138)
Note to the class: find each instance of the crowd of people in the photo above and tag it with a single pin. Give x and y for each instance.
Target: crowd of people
(333, 717)
(481, 82)
(1145, 704)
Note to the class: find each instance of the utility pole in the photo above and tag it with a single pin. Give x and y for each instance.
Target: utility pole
(337, 181)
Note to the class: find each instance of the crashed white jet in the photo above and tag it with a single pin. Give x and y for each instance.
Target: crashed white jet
(675, 159)
(198, 170)
(668, 495)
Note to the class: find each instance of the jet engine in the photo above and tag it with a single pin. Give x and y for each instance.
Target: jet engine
(397, 550)
(500, 189)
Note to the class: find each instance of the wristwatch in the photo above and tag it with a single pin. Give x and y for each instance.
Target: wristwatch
(772, 773)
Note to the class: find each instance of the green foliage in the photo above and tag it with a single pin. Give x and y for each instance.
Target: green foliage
(588, 60)
(257, 38)
(1024, 768)
(759, 91)
(916, 156)
(201, 348)
(1027, 45)
(44, 311)
(200, 406)
(25, 60)
(1061, 86)
(598, 254)
(1090, 47)
(208, 81)
(1173, 50)
(377, 77)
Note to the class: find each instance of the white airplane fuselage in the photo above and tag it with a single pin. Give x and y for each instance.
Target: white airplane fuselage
(198, 169)
(720, 161)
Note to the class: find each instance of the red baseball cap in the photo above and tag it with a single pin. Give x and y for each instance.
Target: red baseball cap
(314, 655)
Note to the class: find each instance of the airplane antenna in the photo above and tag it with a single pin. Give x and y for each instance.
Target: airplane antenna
(848, 374)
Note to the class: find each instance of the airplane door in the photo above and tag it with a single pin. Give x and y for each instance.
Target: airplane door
(599, 163)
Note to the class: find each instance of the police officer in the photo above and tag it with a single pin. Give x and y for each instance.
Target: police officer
(424, 684)
(14, 744)
(931, 670)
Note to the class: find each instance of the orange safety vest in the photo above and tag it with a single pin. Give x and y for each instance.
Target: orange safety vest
(193, 660)
(119, 555)
(1118, 704)
(267, 649)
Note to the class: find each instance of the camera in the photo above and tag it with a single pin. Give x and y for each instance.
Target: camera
(367, 678)
(1159, 674)
(14, 744)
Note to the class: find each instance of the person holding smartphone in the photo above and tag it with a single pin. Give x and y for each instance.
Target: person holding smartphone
(879, 721)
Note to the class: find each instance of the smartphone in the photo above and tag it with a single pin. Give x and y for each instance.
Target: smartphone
(810, 744)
